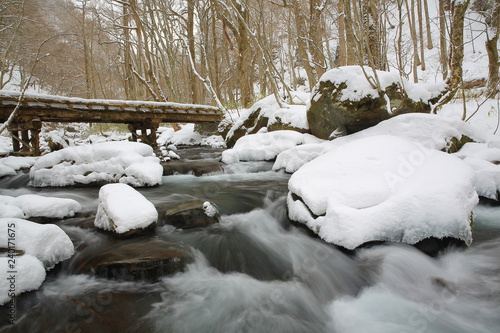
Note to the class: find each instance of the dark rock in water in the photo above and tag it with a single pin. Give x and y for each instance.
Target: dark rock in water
(433, 246)
(194, 214)
(99, 310)
(149, 260)
(187, 167)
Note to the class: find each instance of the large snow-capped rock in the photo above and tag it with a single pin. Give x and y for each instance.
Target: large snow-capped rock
(429, 130)
(384, 188)
(132, 163)
(265, 146)
(32, 205)
(29, 275)
(124, 210)
(47, 242)
(346, 100)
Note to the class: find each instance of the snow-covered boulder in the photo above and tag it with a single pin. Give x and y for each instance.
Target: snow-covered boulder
(346, 101)
(485, 161)
(430, 130)
(9, 165)
(267, 113)
(124, 210)
(265, 146)
(384, 188)
(47, 242)
(125, 162)
(29, 275)
(31, 205)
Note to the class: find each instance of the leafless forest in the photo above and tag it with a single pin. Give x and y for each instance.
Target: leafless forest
(228, 52)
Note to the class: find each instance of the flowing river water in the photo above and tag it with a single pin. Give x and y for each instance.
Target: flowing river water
(256, 272)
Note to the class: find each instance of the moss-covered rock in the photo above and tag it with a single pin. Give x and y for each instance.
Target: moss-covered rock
(345, 102)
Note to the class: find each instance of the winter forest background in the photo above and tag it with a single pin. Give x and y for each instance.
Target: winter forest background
(238, 50)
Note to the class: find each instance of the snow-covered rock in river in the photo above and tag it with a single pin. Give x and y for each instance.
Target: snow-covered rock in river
(267, 113)
(346, 101)
(125, 162)
(384, 188)
(9, 165)
(265, 146)
(429, 130)
(47, 242)
(29, 275)
(484, 159)
(124, 210)
(32, 205)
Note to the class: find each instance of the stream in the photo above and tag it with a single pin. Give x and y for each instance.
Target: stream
(255, 271)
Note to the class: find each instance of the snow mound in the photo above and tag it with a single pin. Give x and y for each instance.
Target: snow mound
(122, 209)
(357, 89)
(431, 131)
(47, 242)
(9, 165)
(267, 112)
(186, 136)
(214, 141)
(293, 116)
(485, 161)
(133, 163)
(265, 146)
(384, 188)
(31, 205)
(29, 275)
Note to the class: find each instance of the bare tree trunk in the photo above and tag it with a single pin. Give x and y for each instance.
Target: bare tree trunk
(316, 36)
(454, 80)
(303, 45)
(443, 47)
(215, 56)
(352, 55)
(459, 8)
(191, 45)
(421, 34)
(430, 45)
(342, 48)
(414, 38)
(87, 54)
(492, 50)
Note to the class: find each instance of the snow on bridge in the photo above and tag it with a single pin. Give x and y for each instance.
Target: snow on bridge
(143, 117)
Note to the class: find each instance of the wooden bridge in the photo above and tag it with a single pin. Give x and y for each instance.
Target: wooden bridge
(143, 118)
